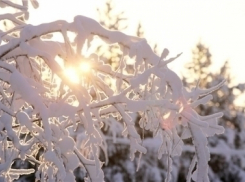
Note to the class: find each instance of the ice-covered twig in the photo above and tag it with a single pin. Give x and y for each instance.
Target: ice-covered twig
(12, 18)
(202, 153)
(14, 5)
(28, 62)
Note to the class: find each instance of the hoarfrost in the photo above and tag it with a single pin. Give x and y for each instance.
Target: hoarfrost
(41, 103)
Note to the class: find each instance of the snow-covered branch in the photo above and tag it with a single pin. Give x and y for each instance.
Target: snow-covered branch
(36, 85)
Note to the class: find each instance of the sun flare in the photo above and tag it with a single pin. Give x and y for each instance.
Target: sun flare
(85, 67)
(72, 75)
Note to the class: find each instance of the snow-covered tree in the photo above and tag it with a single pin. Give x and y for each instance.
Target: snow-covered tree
(52, 90)
(119, 166)
(227, 150)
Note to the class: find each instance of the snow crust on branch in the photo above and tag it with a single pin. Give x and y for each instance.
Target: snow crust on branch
(64, 119)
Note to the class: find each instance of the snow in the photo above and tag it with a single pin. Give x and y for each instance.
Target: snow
(34, 72)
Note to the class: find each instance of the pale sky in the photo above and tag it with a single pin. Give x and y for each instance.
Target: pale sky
(176, 25)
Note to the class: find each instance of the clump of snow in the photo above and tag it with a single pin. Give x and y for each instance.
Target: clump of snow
(41, 103)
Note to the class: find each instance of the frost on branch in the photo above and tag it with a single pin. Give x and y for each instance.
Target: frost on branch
(54, 119)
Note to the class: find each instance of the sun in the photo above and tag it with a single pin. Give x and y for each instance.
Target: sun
(74, 73)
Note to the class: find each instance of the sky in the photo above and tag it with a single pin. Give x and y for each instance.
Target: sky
(176, 25)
